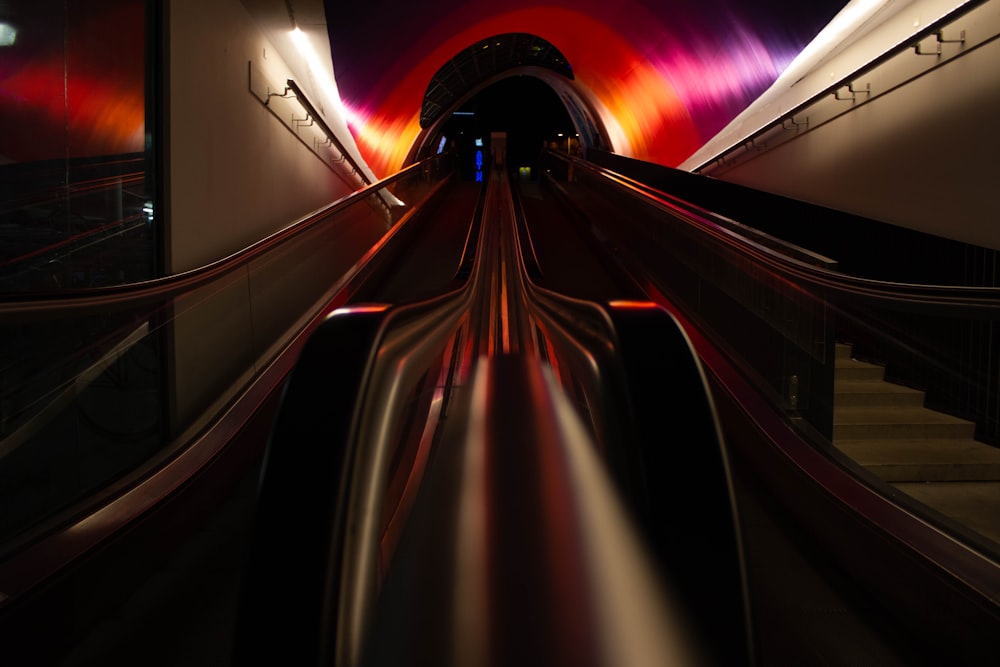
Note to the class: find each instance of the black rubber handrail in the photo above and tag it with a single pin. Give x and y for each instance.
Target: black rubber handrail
(983, 302)
(767, 240)
(468, 258)
(653, 413)
(309, 470)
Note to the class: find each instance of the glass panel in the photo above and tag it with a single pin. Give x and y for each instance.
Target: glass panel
(91, 395)
(898, 383)
(75, 203)
(79, 404)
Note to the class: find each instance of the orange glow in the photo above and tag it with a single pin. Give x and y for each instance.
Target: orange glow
(103, 116)
(75, 96)
(634, 99)
(364, 308)
(661, 77)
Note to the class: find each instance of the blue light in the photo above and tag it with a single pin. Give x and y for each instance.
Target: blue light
(442, 144)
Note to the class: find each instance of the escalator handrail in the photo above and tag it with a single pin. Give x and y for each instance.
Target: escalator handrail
(646, 380)
(89, 300)
(767, 240)
(404, 343)
(931, 299)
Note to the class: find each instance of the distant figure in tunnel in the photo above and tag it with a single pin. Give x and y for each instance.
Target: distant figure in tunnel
(498, 146)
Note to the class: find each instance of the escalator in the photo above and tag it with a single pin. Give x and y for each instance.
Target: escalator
(805, 602)
(837, 565)
(132, 423)
(769, 320)
(808, 602)
(449, 459)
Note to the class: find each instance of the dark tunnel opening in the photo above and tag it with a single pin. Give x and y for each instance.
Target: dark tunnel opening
(525, 107)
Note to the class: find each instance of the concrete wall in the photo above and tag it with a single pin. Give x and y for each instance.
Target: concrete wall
(237, 170)
(916, 146)
(923, 156)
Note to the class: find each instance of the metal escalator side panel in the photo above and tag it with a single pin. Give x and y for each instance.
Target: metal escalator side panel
(296, 544)
(678, 475)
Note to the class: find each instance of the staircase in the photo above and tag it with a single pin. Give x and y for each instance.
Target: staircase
(928, 455)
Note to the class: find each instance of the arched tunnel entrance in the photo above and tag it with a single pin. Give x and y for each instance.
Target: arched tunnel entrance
(515, 83)
(525, 108)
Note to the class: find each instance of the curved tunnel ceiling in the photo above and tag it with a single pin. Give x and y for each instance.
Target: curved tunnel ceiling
(482, 62)
(578, 110)
(661, 77)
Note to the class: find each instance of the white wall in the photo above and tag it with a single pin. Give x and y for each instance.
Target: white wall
(924, 157)
(919, 150)
(237, 173)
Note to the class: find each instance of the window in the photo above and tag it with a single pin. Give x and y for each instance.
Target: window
(77, 204)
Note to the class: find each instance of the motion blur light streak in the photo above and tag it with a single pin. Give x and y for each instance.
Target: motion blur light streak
(662, 77)
(635, 96)
(71, 94)
(366, 308)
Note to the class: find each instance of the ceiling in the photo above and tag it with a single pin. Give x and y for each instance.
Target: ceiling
(483, 61)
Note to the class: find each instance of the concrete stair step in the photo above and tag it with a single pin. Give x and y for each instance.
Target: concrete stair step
(930, 456)
(874, 393)
(975, 505)
(851, 370)
(925, 459)
(866, 422)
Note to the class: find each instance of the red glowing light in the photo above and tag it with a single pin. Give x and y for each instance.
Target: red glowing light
(633, 305)
(73, 93)
(639, 106)
(661, 79)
